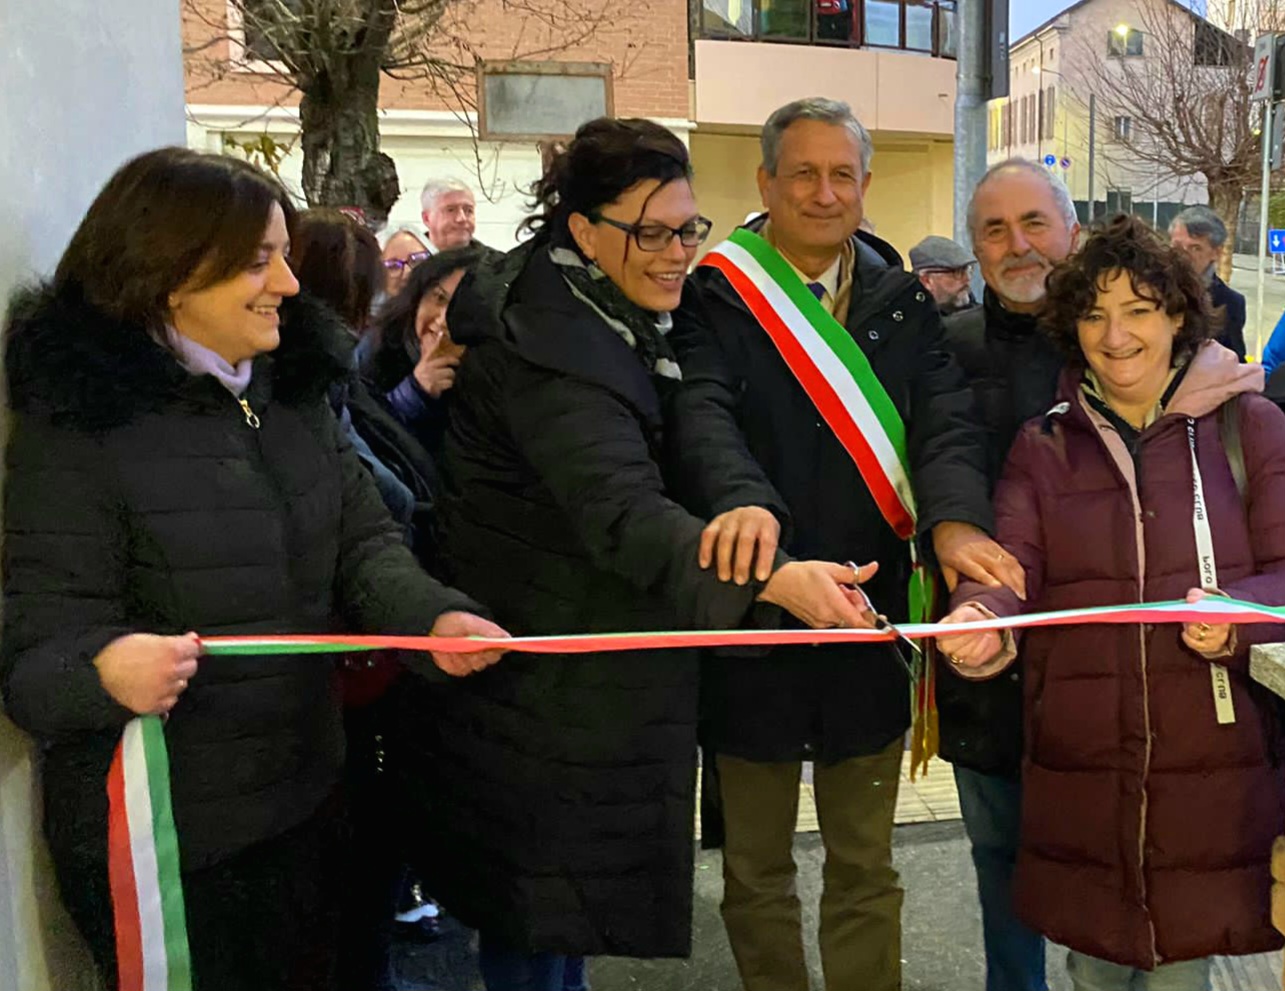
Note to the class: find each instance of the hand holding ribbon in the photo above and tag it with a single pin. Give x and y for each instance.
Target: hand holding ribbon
(1206, 639)
(975, 649)
(464, 624)
(147, 673)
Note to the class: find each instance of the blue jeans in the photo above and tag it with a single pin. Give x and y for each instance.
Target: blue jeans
(992, 809)
(1091, 974)
(506, 969)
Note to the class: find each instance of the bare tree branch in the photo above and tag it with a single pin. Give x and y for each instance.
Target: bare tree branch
(333, 53)
(1187, 99)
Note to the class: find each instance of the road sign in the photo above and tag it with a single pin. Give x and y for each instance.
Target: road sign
(1065, 163)
(1264, 67)
(1276, 241)
(1050, 160)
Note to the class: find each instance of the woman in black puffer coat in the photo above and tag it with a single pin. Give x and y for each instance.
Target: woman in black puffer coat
(174, 466)
(555, 797)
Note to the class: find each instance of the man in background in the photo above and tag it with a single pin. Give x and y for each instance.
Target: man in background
(449, 213)
(1201, 233)
(945, 268)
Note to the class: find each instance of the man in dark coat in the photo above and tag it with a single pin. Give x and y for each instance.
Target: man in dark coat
(846, 708)
(1022, 222)
(1201, 233)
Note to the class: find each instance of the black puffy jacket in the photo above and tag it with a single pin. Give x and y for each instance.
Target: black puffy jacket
(1013, 369)
(555, 793)
(139, 499)
(740, 403)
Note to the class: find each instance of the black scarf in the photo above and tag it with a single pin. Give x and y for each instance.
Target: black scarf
(643, 330)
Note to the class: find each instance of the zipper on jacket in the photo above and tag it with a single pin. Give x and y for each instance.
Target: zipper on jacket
(251, 417)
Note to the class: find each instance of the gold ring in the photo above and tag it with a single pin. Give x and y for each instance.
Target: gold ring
(955, 660)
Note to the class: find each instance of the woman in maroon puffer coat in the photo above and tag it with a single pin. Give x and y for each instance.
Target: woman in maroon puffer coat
(1148, 816)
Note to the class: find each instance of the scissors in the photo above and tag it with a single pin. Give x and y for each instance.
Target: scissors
(881, 623)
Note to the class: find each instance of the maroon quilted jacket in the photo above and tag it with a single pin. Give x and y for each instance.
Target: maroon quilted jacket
(1146, 826)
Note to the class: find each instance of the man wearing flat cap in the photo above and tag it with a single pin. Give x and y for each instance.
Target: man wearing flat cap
(944, 267)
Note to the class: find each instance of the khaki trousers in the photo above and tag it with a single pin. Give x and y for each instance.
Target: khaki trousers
(860, 935)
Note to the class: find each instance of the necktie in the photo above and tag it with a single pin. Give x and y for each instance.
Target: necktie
(817, 290)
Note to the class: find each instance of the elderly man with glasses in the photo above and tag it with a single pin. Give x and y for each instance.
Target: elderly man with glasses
(945, 268)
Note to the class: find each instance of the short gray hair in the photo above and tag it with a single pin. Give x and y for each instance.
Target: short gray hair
(813, 108)
(1061, 195)
(438, 187)
(1201, 221)
(389, 233)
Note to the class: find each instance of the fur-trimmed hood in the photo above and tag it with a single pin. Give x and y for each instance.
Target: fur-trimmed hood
(66, 359)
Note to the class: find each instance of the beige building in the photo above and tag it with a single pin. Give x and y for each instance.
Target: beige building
(711, 73)
(1052, 72)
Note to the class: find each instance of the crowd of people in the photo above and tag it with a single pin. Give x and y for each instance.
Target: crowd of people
(230, 417)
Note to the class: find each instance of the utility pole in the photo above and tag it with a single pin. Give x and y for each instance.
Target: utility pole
(970, 109)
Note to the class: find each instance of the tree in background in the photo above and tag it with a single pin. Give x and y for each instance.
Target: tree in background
(336, 53)
(1184, 87)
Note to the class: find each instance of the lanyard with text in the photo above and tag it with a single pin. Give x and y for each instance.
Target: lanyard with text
(1223, 704)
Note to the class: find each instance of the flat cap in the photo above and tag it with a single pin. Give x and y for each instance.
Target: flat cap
(938, 252)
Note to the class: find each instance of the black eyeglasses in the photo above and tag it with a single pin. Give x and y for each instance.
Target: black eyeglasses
(657, 237)
(410, 261)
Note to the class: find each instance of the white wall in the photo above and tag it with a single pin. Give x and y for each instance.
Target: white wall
(424, 144)
(83, 86)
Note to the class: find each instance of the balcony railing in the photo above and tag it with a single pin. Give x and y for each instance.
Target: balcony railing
(926, 26)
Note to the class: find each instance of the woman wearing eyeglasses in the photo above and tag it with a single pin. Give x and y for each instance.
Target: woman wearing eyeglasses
(555, 804)
(403, 250)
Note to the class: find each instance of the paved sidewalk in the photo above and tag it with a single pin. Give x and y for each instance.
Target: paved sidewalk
(941, 944)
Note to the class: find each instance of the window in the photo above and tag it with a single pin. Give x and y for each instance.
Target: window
(265, 27)
(1021, 130)
(1032, 114)
(727, 19)
(1213, 47)
(785, 19)
(926, 26)
(1006, 128)
(1122, 128)
(1125, 46)
(1119, 201)
(883, 23)
(919, 25)
(1050, 111)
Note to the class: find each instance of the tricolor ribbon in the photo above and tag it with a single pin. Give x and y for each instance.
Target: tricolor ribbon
(147, 893)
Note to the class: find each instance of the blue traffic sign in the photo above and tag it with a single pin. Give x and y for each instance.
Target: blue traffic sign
(1065, 163)
(1276, 242)
(1050, 160)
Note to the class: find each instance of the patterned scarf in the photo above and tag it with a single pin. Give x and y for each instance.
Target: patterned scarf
(644, 331)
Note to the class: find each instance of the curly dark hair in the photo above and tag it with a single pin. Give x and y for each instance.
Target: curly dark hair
(607, 157)
(1157, 271)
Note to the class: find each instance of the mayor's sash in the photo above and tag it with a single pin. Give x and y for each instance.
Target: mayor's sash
(829, 365)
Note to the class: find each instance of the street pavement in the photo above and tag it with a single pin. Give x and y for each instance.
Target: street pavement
(942, 943)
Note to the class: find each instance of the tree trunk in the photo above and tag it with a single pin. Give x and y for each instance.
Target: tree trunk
(1224, 200)
(339, 124)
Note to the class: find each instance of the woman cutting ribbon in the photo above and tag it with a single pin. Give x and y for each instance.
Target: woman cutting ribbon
(558, 797)
(1151, 783)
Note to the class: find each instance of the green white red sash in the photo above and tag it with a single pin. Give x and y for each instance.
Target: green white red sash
(147, 893)
(143, 864)
(831, 367)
